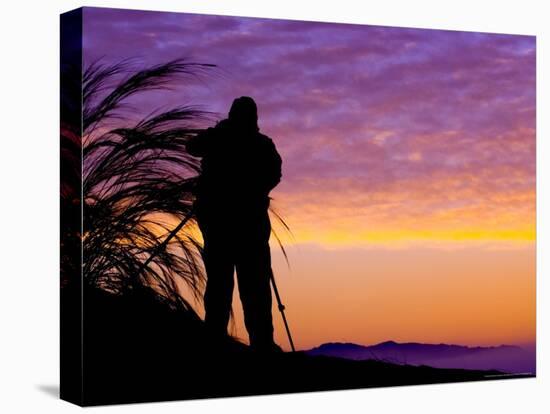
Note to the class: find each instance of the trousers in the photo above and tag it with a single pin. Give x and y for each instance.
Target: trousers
(238, 242)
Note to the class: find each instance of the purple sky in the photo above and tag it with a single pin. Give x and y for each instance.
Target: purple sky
(393, 108)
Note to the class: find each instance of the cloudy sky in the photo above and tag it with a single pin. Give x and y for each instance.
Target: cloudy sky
(408, 165)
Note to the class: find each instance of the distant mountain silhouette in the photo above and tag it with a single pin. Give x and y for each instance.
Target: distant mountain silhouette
(505, 358)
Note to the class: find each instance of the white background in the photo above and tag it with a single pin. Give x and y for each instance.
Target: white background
(29, 217)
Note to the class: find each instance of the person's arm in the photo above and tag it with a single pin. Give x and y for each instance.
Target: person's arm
(202, 143)
(198, 145)
(274, 166)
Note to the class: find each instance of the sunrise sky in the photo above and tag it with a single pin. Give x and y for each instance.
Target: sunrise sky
(408, 166)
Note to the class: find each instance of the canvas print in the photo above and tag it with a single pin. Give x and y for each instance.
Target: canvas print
(257, 206)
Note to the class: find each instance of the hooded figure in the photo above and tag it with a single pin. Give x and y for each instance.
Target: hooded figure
(239, 167)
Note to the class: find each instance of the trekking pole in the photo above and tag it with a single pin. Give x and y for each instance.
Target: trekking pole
(162, 246)
(281, 308)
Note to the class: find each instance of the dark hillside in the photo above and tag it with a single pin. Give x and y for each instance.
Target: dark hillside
(140, 349)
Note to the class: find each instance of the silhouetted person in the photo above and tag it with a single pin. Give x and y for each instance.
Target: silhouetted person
(240, 166)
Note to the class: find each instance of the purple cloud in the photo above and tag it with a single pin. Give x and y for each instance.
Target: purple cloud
(379, 110)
